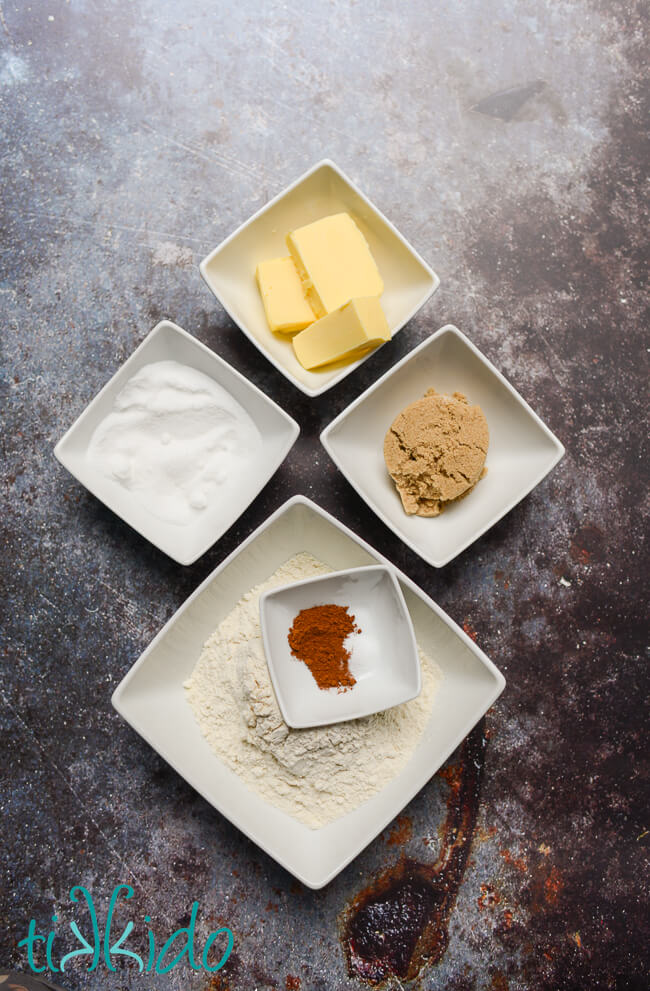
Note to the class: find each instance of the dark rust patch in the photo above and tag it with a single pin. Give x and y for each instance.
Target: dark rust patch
(467, 627)
(218, 983)
(401, 831)
(489, 896)
(588, 544)
(553, 885)
(399, 923)
(520, 863)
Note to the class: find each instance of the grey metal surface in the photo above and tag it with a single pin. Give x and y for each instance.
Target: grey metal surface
(138, 135)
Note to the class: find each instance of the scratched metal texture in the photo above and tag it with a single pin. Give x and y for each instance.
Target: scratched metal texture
(506, 140)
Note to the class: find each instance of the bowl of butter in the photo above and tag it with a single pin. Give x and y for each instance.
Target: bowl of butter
(318, 279)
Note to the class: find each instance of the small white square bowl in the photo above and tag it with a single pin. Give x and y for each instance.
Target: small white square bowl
(151, 697)
(182, 543)
(383, 654)
(229, 270)
(521, 452)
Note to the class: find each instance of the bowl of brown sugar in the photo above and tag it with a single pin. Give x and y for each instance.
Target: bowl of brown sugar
(340, 646)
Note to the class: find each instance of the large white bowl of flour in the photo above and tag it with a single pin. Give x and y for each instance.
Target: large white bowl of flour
(200, 696)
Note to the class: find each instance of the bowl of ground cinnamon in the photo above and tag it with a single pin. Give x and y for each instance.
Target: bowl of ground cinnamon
(340, 646)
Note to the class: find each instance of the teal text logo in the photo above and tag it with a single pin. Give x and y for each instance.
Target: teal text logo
(100, 945)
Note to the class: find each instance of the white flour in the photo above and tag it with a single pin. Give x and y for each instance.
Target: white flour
(315, 775)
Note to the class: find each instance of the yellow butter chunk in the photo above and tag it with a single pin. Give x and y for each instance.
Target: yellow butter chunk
(334, 262)
(343, 335)
(285, 305)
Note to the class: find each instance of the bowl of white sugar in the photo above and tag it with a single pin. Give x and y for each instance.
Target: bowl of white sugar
(178, 443)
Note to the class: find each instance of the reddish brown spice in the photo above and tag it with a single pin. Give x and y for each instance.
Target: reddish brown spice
(317, 638)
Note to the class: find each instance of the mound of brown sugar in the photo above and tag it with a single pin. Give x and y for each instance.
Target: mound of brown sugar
(435, 451)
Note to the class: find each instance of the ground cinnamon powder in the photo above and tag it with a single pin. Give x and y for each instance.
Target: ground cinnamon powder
(317, 638)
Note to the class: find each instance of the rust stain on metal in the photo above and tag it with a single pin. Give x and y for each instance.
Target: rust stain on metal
(501, 579)
(579, 554)
(217, 983)
(553, 886)
(588, 544)
(489, 897)
(482, 834)
(520, 863)
(399, 923)
(453, 775)
(401, 831)
(469, 631)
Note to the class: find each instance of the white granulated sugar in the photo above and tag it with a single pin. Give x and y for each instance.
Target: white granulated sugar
(315, 775)
(176, 440)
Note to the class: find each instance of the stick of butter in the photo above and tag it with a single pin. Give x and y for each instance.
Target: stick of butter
(343, 335)
(334, 262)
(285, 305)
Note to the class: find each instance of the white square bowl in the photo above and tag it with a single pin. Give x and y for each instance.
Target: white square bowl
(229, 270)
(152, 699)
(383, 653)
(182, 543)
(521, 452)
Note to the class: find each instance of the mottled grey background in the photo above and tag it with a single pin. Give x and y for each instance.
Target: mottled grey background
(136, 136)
